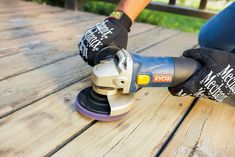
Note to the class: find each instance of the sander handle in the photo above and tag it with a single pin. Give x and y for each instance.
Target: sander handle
(184, 68)
(161, 71)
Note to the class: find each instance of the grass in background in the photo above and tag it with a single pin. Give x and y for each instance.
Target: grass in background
(213, 5)
(163, 19)
(173, 21)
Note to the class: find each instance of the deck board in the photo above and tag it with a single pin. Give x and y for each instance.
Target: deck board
(153, 120)
(40, 128)
(31, 42)
(44, 55)
(42, 19)
(41, 72)
(31, 9)
(209, 130)
(174, 46)
(71, 73)
(53, 25)
(29, 61)
(141, 133)
(19, 91)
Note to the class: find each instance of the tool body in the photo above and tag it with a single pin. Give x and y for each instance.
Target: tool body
(115, 81)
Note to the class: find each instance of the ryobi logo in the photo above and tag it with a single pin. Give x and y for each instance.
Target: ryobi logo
(162, 78)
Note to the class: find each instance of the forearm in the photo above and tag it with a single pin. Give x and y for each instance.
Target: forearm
(132, 7)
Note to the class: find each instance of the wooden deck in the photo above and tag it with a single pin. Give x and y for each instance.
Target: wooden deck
(41, 73)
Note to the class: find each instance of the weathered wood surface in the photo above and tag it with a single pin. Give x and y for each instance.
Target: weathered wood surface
(148, 126)
(209, 130)
(53, 145)
(41, 73)
(42, 19)
(36, 59)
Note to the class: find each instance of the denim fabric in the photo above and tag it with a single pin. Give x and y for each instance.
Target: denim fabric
(219, 31)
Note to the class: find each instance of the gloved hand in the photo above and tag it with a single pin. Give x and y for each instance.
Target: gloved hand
(112, 32)
(216, 78)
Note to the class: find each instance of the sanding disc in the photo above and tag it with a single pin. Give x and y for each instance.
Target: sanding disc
(94, 105)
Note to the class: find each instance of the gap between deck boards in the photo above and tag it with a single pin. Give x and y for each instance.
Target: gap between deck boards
(168, 140)
(164, 146)
(165, 143)
(60, 59)
(89, 125)
(12, 111)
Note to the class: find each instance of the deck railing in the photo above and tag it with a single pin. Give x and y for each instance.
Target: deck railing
(171, 7)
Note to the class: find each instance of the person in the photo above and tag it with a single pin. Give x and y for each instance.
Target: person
(215, 80)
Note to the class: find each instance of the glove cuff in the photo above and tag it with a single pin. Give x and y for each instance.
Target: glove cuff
(125, 21)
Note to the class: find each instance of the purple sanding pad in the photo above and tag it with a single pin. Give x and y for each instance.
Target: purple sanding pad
(96, 116)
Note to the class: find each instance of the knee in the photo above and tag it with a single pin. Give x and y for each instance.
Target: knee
(203, 38)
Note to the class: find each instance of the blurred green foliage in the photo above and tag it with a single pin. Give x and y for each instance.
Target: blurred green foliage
(173, 21)
(214, 5)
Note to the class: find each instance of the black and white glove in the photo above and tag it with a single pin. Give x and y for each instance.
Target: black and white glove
(111, 33)
(215, 80)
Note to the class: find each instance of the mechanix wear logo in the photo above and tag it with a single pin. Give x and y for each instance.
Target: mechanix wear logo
(93, 38)
(218, 85)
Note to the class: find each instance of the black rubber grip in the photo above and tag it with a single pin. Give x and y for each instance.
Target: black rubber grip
(184, 69)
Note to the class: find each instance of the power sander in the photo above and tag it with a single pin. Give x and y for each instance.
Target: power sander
(116, 80)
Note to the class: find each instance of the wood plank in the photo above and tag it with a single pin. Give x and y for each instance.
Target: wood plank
(18, 6)
(37, 129)
(145, 129)
(52, 25)
(22, 7)
(208, 130)
(149, 39)
(12, 46)
(43, 55)
(36, 58)
(174, 46)
(5, 4)
(24, 89)
(47, 27)
(11, 102)
(42, 20)
(139, 28)
(141, 133)
(52, 118)
(18, 2)
(30, 13)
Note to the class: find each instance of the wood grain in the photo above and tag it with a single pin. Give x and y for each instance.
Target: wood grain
(16, 6)
(209, 130)
(56, 34)
(37, 95)
(44, 18)
(37, 129)
(174, 46)
(29, 13)
(24, 89)
(29, 59)
(141, 133)
(34, 85)
(21, 31)
(145, 130)
(31, 42)
(150, 38)
(11, 102)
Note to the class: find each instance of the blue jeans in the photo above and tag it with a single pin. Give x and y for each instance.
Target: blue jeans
(219, 31)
